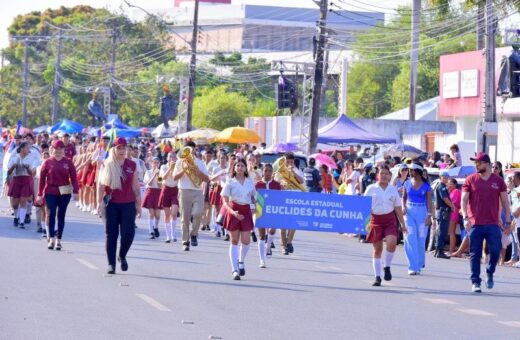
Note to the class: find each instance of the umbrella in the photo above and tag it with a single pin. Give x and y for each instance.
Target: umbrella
(237, 135)
(41, 129)
(204, 133)
(67, 126)
(126, 133)
(283, 147)
(403, 150)
(162, 131)
(324, 159)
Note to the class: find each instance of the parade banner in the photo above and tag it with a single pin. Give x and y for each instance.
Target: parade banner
(312, 211)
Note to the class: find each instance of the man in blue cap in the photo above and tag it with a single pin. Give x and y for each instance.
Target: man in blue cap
(443, 209)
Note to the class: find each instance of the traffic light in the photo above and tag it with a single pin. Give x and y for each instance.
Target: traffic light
(509, 79)
(514, 73)
(168, 109)
(286, 94)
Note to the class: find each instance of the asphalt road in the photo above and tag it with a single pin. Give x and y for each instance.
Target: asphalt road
(322, 291)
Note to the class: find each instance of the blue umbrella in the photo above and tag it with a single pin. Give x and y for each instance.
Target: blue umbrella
(40, 129)
(67, 126)
(116, 122)
(126, 133)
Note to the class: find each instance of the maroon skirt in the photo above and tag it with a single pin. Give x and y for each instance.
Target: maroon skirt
(21, 186)
(214, 195)
(151, 198)
(232, 223)
(382, 226)
(169, 196)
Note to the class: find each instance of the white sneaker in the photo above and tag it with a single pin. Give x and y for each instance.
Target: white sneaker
(517, 265)
(262, 264)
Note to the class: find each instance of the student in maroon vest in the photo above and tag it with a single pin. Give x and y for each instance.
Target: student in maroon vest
(267, 182)
(58, 182)
(119, 193)
(70, 147)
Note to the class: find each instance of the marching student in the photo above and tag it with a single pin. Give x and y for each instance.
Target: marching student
(41, 209)
(417, 200)
(169, 200)
(264, 245)
(239, 193)
(20, 168)
(58, 182)
(218, 180)
(151, 197)
(386, 204)
(119, 196)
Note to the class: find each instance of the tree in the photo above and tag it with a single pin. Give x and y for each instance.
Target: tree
(218, 108)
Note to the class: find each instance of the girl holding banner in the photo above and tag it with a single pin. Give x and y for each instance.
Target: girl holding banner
(386, 205)
(239, 194)
(417, 200)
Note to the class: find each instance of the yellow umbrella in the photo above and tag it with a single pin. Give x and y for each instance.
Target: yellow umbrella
(238, 135)
(204, 133)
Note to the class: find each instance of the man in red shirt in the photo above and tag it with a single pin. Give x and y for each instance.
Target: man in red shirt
(481, 194)
(70, 147)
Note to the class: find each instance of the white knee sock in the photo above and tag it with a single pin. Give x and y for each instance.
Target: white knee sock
(233, 257)
(270, 239)
(173, 224)
(156, 226)
(168, 229)
(151, 222)
(21, 214)
(261, 250)
(388, 258)
(376, 263)
(244, 248)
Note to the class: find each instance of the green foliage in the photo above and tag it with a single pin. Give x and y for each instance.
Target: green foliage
(264, 108)
(218, 108)
(379, 79)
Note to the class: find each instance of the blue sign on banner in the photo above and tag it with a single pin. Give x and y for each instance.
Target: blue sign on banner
(312, 211)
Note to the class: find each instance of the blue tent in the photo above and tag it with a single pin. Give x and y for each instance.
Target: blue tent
(125, 133)
(116, 122)
(344, 131)
(67, 126)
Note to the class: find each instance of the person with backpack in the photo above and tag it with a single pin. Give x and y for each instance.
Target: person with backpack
(312, 177)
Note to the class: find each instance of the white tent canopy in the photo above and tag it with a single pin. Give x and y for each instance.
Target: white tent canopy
(162, 132)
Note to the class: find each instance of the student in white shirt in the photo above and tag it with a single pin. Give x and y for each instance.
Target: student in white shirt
(151, 198)
(191, 198)
(386, 205)
(239, 194)
(169, 200)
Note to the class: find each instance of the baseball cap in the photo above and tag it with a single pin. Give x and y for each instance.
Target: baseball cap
(481, 157)
(119, 141)
(58, 144)
(444, 173)
(415, 166)
(368, 166)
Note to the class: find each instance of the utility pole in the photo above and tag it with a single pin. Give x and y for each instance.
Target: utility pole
(193, 65)
(324, 86)
(318, 76)
(25, 89)
(56, 86)
(112, 68)
(343, 86)
(414, 56)
(490, 111)
(481, 24)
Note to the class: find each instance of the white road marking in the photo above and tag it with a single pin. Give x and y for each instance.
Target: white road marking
(440, 301)
(153, 303)
(515, 324)
(87, 264)
(335, 268)
(475, 312)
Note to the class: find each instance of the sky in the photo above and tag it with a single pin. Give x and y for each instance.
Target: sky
(8, 12)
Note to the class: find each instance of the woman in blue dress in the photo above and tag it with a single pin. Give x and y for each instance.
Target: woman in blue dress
(418, 210)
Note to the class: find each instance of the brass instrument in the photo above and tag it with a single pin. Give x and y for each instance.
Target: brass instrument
(190, 168)
(286, 176)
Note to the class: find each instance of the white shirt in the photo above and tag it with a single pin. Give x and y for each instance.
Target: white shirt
(19, 169)
(239, 193)
(148, 176)
(168, 181)
(223, 177)
(140, 167)
(351, 188)
(185, 182)
(212, 165)
(383, 201)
